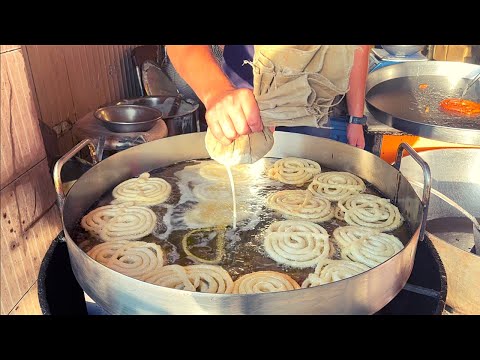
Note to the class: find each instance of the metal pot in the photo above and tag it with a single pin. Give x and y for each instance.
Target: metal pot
(365, 293)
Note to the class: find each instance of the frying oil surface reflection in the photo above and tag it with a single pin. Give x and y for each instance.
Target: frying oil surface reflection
(199, 201)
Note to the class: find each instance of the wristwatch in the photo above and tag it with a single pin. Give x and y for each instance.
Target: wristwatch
(357, 120)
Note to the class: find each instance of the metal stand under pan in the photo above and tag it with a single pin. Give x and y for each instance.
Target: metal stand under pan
(60, 293)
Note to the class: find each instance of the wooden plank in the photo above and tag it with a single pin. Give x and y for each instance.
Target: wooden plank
(114, 86)
(81, 77)
(101, 74)
(5, 48)
(66, 142)
(29, 222)
(17, 273)
(84, 76)
(72, 80)
(452, 52)
(35, 194)
(29, 304)
(52, 85)
(463, 277)
(21, 140)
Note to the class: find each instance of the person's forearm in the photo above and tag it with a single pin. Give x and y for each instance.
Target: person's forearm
(199, 68)
(357, 83)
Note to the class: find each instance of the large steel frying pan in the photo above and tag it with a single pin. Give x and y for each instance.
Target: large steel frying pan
(394, 97)
(362, 294)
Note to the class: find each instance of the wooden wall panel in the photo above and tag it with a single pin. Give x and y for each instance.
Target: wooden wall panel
(66, 142)
(21, 140)
(463, 274)
(51, 82)
(30, 220)
(29, 305)
(5, 48)
(101, 74)
(35, 194)
(72, 80)
(44, 90)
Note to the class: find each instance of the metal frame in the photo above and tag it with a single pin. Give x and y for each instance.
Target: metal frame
(427, 180)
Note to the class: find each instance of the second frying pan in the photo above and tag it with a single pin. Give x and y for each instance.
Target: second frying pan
(406, 96)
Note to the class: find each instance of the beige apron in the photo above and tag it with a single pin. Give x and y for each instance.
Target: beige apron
(295, 85)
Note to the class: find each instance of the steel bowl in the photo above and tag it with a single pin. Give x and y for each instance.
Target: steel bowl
(128, 118)
(403, 50)
(184, 121)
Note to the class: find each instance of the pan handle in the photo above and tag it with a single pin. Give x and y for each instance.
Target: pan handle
(57, 170)
(427, 180)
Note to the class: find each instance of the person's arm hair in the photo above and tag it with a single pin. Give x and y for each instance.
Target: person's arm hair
(358, 80)
(199, 68)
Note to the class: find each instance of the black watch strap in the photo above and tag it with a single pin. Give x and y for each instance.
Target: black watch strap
(357, 120)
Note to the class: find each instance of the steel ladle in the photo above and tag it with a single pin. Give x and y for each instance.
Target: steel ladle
(470, 84)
